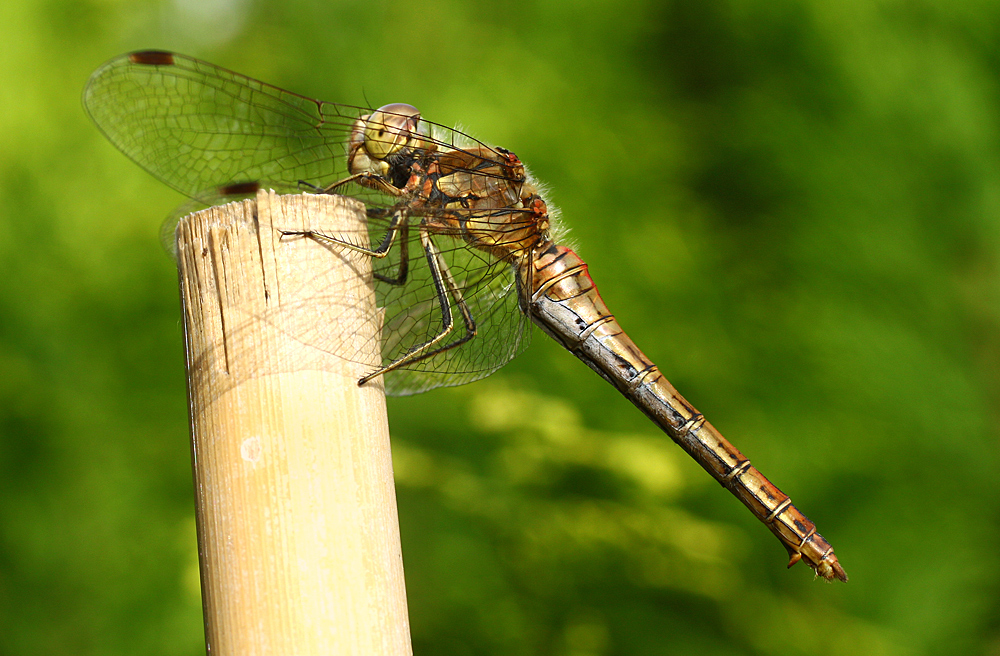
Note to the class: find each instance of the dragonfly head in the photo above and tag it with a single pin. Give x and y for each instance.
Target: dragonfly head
(391, 128)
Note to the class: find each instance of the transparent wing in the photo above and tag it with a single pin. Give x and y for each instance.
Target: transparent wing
(213, 134)
(413, 316)
(198, 127)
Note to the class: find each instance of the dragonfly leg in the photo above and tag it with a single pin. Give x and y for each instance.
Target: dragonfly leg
(404, 255)
(398, 223)
(446, 287)
(308, 186)
(365, 179)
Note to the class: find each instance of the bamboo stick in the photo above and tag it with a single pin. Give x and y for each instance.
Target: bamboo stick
(297, 528)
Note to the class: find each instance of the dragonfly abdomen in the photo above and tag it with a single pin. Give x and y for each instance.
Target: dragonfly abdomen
(565, 303)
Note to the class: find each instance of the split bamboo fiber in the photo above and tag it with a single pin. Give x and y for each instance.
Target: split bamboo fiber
(297, 528)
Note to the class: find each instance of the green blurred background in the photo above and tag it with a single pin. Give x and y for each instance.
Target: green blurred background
(792, 205)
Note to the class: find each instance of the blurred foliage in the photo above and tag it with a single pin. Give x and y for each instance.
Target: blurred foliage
(792, 205)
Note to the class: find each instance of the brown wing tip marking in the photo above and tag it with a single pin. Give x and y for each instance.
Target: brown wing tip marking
(239, 189)
(152, 58)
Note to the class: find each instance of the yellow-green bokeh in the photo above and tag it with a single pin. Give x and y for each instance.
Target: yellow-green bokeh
(792, 205)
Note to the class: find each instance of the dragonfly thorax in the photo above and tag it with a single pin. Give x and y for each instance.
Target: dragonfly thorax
(464, 188)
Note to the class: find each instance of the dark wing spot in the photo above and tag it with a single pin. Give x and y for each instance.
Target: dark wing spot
(239, 189)
(152, 58)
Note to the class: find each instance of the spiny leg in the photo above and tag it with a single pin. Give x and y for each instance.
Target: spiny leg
(365, 179)
(305, 185)
(445, 285)
(471, 330)
(404, 259)
(463, 307)
(398, 223)
(400, 214)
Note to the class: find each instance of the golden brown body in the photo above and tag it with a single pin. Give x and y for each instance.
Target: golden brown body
(464, 231)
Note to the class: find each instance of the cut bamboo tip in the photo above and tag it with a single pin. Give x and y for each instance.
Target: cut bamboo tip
(297, 528)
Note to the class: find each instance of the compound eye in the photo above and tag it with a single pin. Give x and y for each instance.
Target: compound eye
(390, 128)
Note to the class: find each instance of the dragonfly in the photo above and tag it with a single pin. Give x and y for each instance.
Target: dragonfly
(465, 249)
